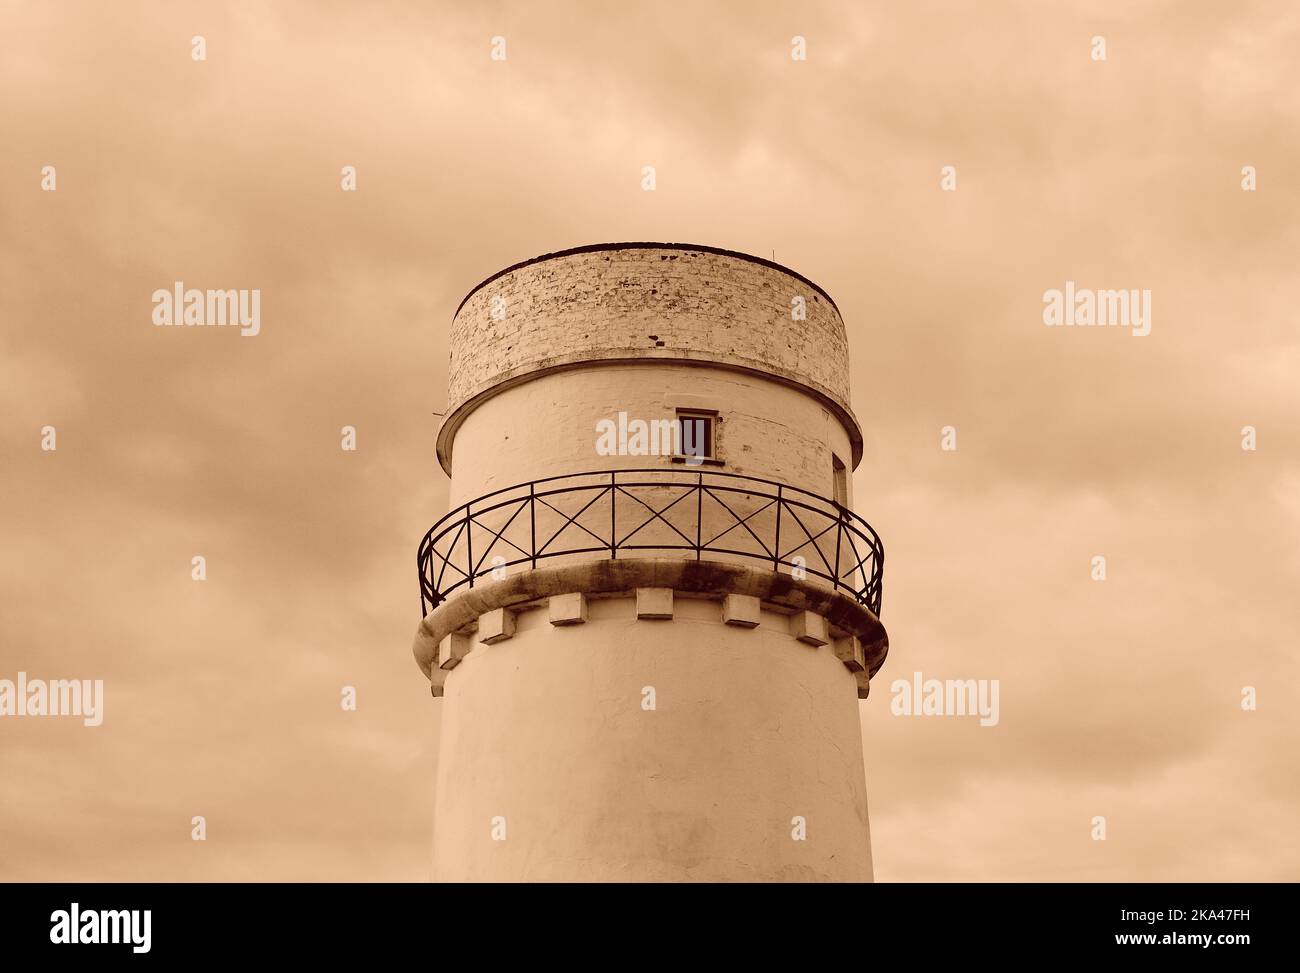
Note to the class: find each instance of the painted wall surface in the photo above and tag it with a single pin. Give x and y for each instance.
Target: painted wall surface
(545, 741)
(547, 426)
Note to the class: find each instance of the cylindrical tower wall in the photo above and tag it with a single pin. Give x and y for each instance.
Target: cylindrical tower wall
(644, 714)
(551, 767)
(551, 426)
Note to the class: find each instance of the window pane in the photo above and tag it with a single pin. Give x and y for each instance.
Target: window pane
(696, 435)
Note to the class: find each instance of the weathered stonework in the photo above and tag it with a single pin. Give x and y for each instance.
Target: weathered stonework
(742, 610)
(452, 647)
(810, 628)
(496, 626)
(646, 302)
(654, 603)
(813, 611)
(568, 609)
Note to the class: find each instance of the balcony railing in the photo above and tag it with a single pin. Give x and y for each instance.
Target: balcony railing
(614, 513)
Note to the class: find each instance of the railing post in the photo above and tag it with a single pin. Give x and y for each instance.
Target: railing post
(839, 537)
(776, 544)
(699, 514)
(419, 567)
(469, 542)
(613, 523)
(532, 517)
(878, 574)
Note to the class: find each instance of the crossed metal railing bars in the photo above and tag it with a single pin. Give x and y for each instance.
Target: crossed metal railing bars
(615, 511)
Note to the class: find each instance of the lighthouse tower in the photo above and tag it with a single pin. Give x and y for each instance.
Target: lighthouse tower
(651, 612)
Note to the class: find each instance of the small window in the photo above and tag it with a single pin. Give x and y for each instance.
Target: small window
(840, 477)
(695, 435)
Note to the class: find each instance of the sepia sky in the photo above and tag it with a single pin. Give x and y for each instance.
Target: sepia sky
(1119, 698)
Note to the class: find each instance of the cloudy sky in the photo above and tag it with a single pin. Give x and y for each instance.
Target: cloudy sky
(1119, 698)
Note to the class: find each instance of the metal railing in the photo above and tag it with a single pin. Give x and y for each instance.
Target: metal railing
(616, 511)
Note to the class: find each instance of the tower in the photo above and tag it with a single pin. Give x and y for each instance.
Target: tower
(651, 611)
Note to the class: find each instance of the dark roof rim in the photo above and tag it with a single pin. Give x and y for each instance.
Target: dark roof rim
(701, 248)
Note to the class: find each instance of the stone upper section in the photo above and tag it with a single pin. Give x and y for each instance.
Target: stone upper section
(633, 301)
